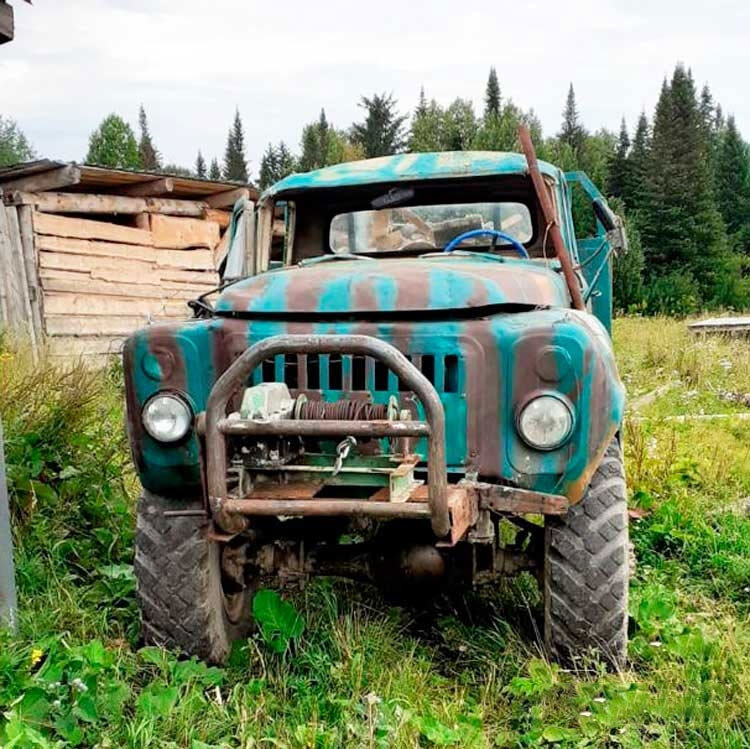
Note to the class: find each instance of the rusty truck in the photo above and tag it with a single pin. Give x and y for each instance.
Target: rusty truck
(422, 364)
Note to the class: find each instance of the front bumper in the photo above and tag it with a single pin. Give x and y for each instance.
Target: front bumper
(451, 508)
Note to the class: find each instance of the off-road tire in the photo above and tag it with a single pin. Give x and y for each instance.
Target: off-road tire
(586, 570)
(178, 582)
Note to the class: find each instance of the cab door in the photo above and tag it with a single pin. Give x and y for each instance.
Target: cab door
(596, 237)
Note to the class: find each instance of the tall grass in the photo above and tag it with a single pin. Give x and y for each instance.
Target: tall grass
(467, 671)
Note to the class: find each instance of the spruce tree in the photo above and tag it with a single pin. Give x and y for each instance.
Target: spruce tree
(682, 230)
(381, 132)
(269, 165)
(618, 177)
(636, 183)
(200, 166)
(733, 185)
(492, 96)
(316, 144)
(572, 131)
(214, 171)
(286, 161)
(277, 162)
(426, 126)
(235, 165)
(149, 156)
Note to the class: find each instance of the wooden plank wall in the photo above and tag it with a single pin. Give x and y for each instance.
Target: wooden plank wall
(81, 285)
(18, 283)
(101, 281)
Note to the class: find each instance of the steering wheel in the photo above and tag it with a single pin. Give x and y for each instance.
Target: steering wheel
(517, 246)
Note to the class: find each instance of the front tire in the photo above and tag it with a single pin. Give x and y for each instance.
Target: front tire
(586, 570)
(185, 603)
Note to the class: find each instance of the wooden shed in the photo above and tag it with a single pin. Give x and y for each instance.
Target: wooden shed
(90, 254)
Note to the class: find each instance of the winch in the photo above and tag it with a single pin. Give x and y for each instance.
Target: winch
(365, 467)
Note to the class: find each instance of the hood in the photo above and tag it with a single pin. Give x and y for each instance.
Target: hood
(403, 285)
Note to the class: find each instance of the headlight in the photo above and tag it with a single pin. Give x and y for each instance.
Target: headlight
(545, 422)
(167, 417)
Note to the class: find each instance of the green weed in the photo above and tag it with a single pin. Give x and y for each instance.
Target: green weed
(335, 665)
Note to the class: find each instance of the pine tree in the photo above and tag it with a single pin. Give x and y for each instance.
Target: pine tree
(381, 132)
(200, 166)
(426, 126)
(149, 156)
(733, 185)
(572, 132)
(235, 165)
(492, 96)
(618, 177)
(214, 171)
(113, 144)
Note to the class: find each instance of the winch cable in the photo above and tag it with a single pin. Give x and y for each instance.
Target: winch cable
(343, 410)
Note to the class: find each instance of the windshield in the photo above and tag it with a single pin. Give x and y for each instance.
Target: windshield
(427, 227)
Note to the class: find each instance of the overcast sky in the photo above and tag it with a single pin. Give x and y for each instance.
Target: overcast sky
(191, 62)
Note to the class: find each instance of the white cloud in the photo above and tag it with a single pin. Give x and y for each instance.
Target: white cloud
(192, 62)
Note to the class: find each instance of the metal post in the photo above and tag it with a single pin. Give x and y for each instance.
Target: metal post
(7, 572)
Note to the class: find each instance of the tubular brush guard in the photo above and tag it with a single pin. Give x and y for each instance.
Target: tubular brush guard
(230, 514)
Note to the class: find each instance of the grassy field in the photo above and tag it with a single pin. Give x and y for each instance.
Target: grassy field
(470, 672)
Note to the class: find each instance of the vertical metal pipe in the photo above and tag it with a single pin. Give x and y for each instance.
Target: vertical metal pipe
(550, 219)
(7, 572)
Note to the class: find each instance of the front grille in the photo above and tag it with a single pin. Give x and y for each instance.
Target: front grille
(349, 373)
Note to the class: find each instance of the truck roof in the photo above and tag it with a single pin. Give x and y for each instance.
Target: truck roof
(410, 167)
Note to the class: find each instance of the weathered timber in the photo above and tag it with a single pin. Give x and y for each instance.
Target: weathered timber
(81, 228)
(72, 202)
(222, 218)
(126, 290)
(15, 307)
(90, 304)
(736, 326)
(111, 325)
(221, 250)
(81, 263)
(200, 285)
(53, 179)
(14, 234)
(183, 233)
(196, 260)
(160, 186)
(73, 246)
(68, 346)
(227, 198)
(30, 259)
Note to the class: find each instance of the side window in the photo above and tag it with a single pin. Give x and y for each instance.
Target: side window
(584, 220)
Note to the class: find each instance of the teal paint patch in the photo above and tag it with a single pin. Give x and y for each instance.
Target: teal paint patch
(410, 167)
(397, 284)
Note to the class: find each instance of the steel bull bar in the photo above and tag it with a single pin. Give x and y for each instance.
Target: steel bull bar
(229, 513)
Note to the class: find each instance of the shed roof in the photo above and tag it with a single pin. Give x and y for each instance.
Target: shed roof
(98, 179)
(411, 167)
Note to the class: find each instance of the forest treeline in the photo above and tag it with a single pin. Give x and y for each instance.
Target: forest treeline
(681, 177)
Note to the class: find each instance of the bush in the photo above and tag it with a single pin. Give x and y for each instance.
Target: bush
(67, 462)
